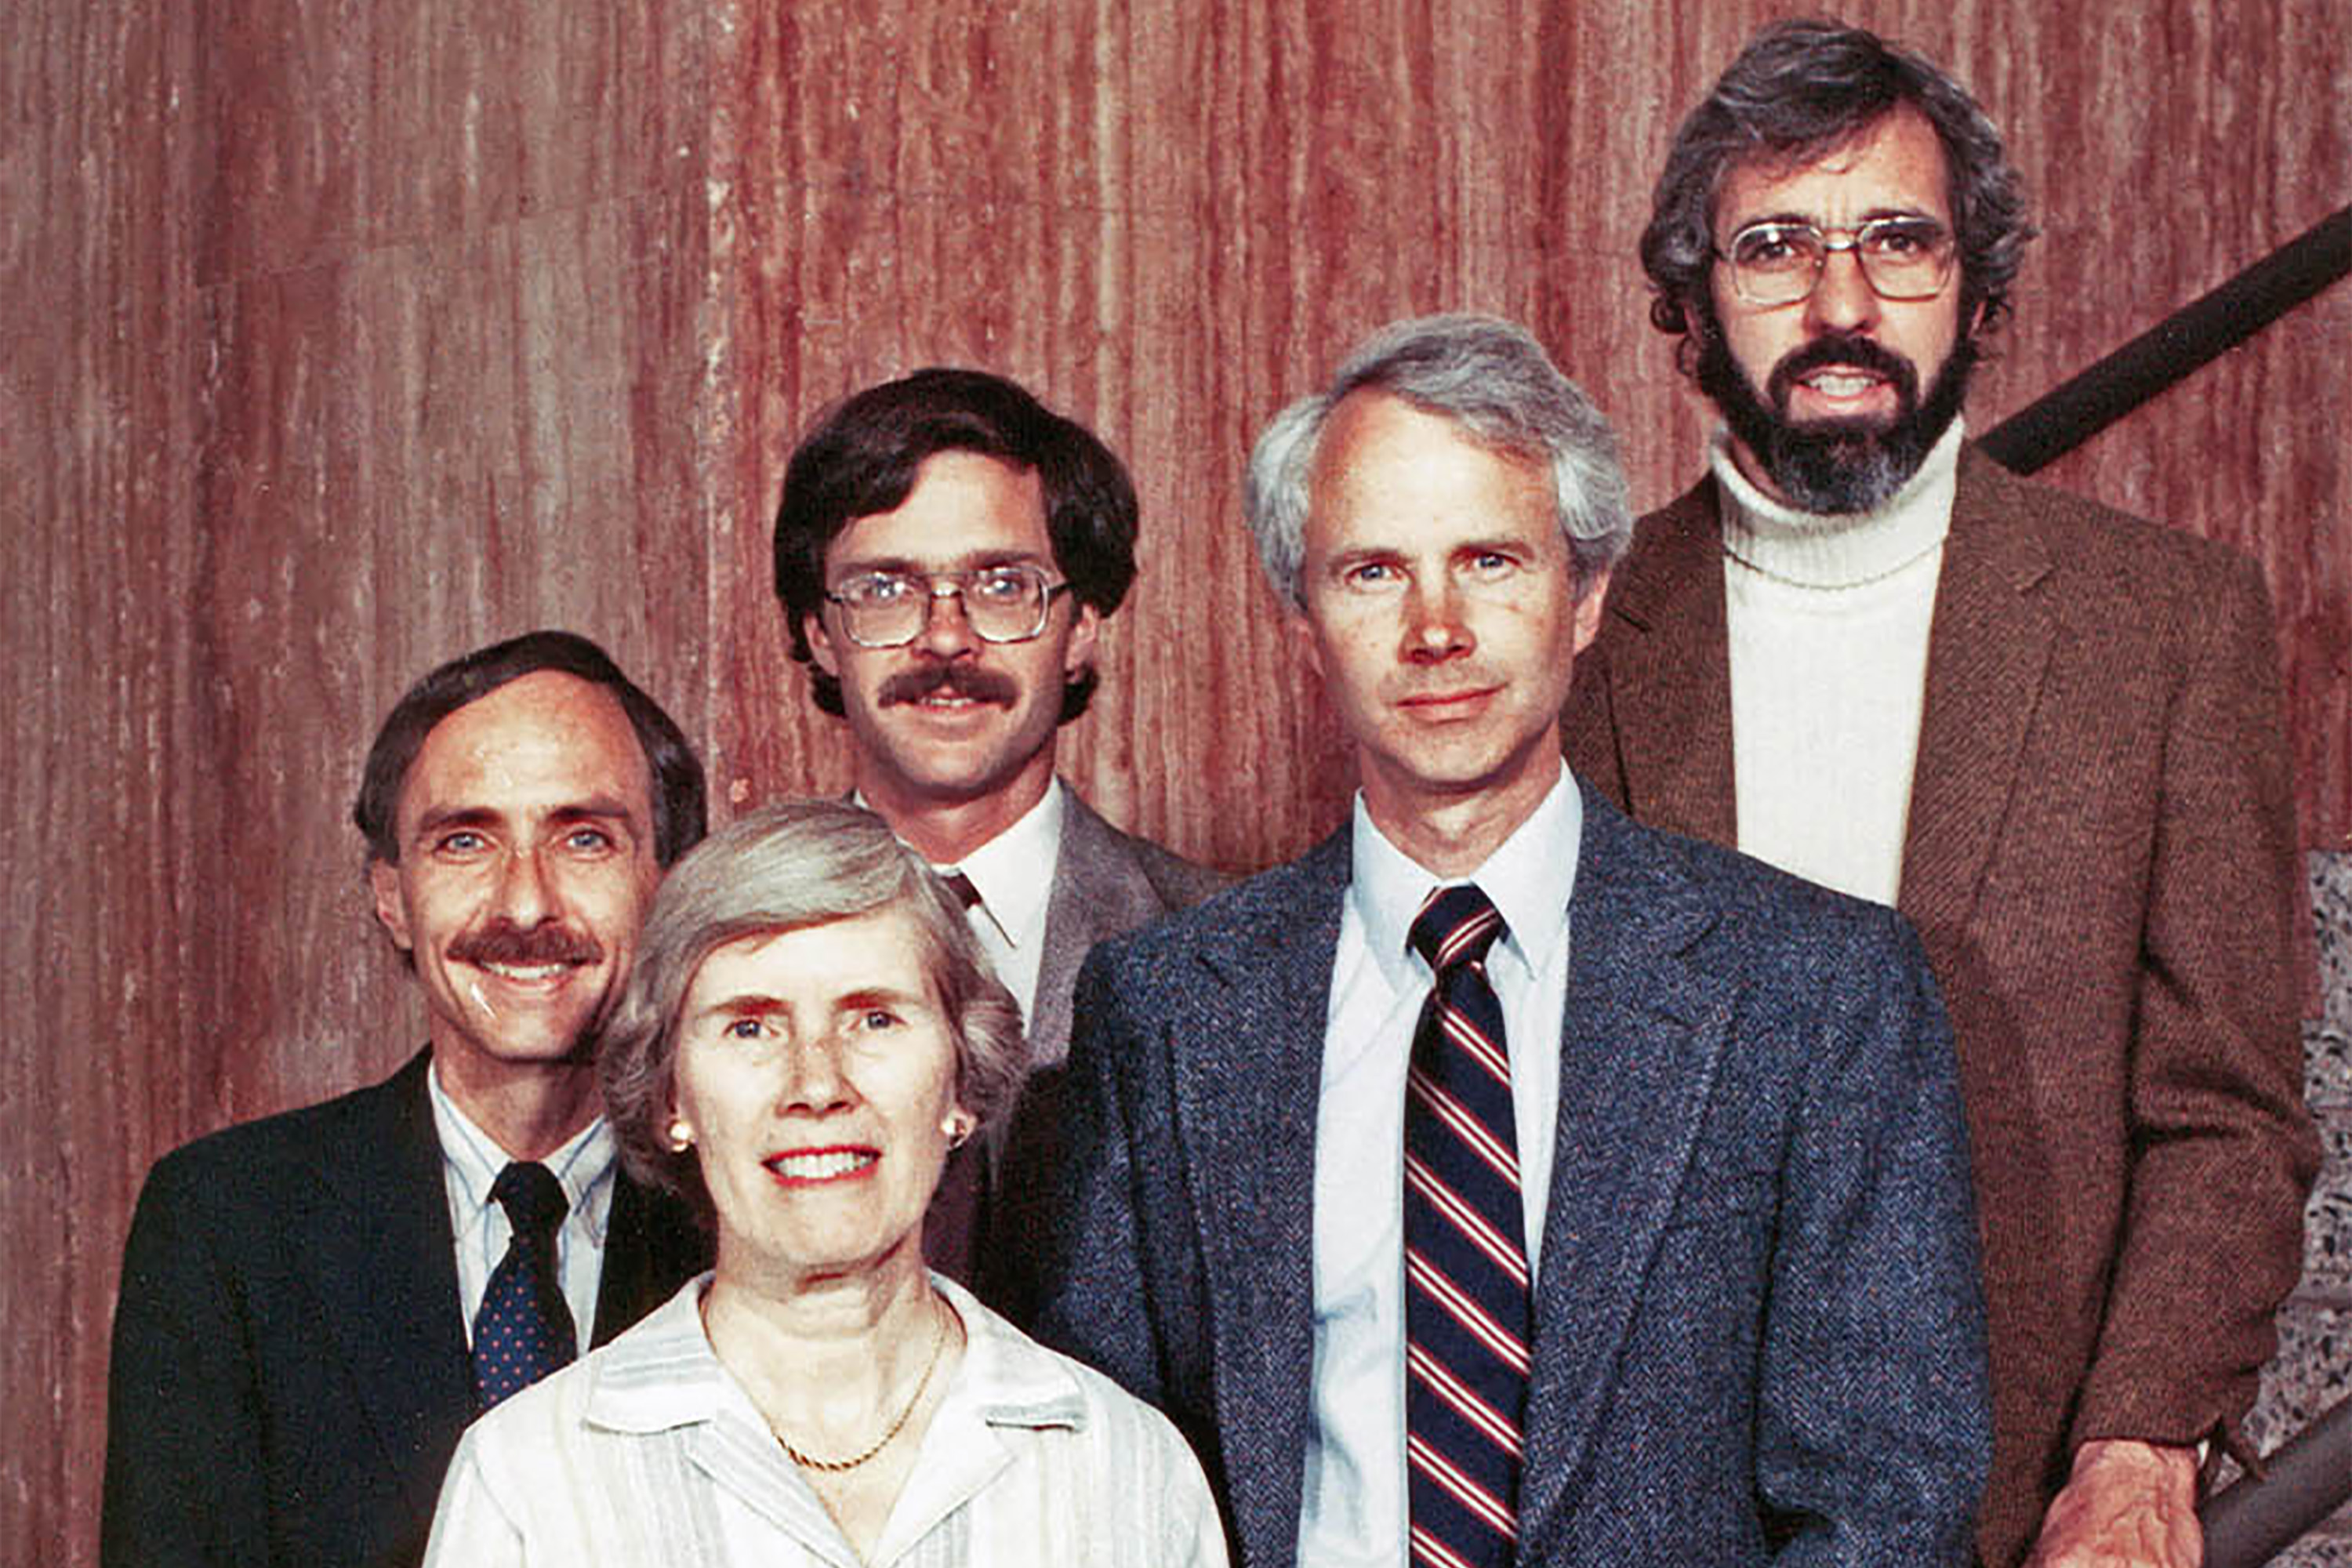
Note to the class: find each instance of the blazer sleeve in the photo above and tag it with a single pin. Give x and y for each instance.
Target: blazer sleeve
(1875, 1413)
(183, 1485)
(2222, 1150)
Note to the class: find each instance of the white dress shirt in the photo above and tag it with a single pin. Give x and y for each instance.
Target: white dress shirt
(1013, 873)
(1354, 1511)
(471, 1163)
(648, 1454)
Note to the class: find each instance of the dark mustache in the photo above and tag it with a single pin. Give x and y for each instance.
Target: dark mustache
(1859, 353)
(958, 680)
(503, 941)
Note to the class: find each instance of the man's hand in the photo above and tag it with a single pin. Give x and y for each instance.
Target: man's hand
(2127, 1505)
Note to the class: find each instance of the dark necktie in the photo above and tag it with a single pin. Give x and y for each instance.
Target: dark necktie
(960, 886)
(1465, 1310)
(524, 1330)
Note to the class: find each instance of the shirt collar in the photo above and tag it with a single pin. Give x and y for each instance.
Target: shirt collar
(1529, 877)
(583, 1166)
(1005, 869)
(663, 1373)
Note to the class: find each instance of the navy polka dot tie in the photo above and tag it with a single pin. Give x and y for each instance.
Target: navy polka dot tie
(524, 1330)
(1465, 1307)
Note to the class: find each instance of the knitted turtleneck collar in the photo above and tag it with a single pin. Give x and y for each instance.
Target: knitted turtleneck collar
(1816, 550)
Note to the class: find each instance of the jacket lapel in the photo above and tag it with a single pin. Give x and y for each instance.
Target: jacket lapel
(1988, 647)
(1258, 1022)
(1669, 672)
(1643, 1037)
(386, 1273)
(652, 1245)
(1099, 892)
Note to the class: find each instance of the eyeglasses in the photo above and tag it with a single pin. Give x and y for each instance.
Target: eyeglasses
(1777, 263)
(1000, 604)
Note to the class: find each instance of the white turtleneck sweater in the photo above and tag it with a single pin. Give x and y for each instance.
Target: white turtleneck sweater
(1828, 620)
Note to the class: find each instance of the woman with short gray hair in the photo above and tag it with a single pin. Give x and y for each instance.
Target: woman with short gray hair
(809, 1029)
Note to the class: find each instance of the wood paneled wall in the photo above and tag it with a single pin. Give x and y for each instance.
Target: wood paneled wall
(342, 337)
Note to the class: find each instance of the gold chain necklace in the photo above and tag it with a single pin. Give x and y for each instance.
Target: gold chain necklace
(810, 1461)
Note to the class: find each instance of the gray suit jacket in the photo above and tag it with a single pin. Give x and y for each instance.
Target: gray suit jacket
(1757, 1328)
(983, 1221)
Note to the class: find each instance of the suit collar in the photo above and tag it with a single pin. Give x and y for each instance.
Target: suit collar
(1669, 670)
(1989, 645)
(1643, 1036)
(384, 1267)
(1987, 652)
(1249, 1071)
(1100, 891)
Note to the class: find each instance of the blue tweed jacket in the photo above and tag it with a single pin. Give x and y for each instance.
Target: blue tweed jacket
(1759, 1334)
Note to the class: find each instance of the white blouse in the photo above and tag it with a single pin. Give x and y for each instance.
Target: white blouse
(648, 1452)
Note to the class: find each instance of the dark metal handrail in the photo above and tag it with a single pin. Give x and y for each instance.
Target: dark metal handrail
(2062, 419)
(2310, 1476)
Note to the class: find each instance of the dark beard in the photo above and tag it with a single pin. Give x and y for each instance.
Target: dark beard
(1835, 465)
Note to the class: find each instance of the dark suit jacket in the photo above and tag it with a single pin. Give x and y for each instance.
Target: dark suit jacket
(2101, 863)
(290, 1374)
(1756, 1316)
(1106, 883)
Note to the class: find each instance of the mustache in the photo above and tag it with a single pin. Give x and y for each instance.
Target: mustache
(503, 941)
(1853, 352)
(957, 679)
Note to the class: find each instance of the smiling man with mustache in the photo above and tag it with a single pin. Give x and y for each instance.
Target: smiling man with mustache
(2048, 732)
(945, 551)
(314, 1305)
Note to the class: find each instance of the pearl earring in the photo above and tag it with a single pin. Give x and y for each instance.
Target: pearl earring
(681, 1136)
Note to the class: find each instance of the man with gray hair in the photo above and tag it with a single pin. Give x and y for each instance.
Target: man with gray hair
(2048, 734)
(1504, 1182)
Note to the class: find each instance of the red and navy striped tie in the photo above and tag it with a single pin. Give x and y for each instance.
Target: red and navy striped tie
(1465, 1255)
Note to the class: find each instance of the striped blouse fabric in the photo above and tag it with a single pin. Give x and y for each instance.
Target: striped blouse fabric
(648, 1453)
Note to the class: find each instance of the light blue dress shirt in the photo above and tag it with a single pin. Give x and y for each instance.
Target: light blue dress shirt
(1354, 1512)
(471, 1163)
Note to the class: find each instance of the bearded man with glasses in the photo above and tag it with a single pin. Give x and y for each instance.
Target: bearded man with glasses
(945, 551)
(2047, 733)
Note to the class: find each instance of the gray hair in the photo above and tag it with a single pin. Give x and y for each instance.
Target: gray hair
(786, 868)
(1489, 376)
(1801, 89)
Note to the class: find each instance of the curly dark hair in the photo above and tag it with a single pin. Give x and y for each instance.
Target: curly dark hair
(1801, 89)
(861, 459)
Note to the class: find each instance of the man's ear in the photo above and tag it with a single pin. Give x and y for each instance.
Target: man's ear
(820, 645)
(391, 907)
(1085, 625)
(1592, 589)
(1302, 633)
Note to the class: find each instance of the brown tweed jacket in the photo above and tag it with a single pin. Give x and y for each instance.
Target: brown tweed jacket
(2100, 859)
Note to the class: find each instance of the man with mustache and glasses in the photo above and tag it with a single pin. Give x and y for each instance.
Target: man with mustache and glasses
(314, 1306)
(945, 551)
(2049, 733)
